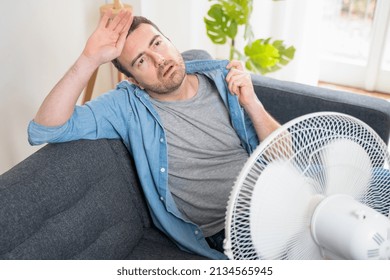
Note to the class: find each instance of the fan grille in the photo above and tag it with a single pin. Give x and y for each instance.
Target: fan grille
(301, 143)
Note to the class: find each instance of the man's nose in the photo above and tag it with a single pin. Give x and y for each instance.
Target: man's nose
(158, 58)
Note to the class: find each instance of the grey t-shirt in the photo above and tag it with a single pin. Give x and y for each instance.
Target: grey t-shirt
(205, 155)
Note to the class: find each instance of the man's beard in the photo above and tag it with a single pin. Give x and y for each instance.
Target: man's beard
(169, 79)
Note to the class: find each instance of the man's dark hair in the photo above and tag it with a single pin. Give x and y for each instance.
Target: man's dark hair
(137, 20)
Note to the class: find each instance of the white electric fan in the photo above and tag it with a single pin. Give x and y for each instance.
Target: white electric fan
(316, 188)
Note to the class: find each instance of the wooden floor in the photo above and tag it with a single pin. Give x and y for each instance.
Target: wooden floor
(385, 96)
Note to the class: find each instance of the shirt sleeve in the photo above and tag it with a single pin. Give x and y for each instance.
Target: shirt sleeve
(253, 139)
(103, 117)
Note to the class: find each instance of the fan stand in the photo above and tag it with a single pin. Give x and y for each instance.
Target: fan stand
(116, 7)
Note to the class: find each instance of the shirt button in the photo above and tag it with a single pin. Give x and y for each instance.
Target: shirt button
(196, 232)
(161, 198)
(162, 170)
(162, 140)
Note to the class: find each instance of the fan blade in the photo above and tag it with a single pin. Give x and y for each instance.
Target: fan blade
(303, 247)
(281, 206)
(347, 168)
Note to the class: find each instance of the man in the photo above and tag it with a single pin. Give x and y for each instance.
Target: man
(189, 126)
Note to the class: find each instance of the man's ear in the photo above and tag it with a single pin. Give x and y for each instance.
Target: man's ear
(135, 82)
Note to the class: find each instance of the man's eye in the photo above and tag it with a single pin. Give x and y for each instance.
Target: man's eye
(140, 61)
(157, 43)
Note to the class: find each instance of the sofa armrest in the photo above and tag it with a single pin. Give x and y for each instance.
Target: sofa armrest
(288, 100)
(71, 200)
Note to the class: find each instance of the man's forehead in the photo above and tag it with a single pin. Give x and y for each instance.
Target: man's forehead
(144, 28)
(139, 40)
(142, 35)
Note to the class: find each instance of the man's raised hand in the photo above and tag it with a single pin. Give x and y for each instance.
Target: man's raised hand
(107, 41)
(105, 44)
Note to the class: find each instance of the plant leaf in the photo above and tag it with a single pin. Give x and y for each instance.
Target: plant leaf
(265, 56)
(219, 25)
(262, 55)
(237, 9)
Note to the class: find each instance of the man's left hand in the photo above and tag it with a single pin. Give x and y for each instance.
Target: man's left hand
(240, 83)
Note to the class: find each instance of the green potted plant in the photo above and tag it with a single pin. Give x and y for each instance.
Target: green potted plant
(260, 55)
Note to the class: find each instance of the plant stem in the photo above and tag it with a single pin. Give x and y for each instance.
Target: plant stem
(231, 50)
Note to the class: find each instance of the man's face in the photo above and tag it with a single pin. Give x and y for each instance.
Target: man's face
(154, 62)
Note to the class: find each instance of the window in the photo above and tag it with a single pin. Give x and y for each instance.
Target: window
(355, 43)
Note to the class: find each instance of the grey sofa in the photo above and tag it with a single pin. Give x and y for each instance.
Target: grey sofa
(82, 199)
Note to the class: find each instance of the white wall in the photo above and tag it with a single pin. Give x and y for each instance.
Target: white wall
(39, 40)
(298, 23)
(181, 21)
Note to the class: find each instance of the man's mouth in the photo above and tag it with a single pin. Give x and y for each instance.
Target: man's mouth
(168, 70)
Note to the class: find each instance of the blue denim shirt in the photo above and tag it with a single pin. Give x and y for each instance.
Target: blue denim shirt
(126, 113)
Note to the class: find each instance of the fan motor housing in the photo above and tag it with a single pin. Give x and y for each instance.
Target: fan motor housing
(347, 229)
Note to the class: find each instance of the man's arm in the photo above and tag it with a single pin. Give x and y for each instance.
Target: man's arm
(240, 84)
(105, 44)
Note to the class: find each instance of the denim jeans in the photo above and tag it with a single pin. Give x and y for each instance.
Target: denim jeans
(216, 241)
